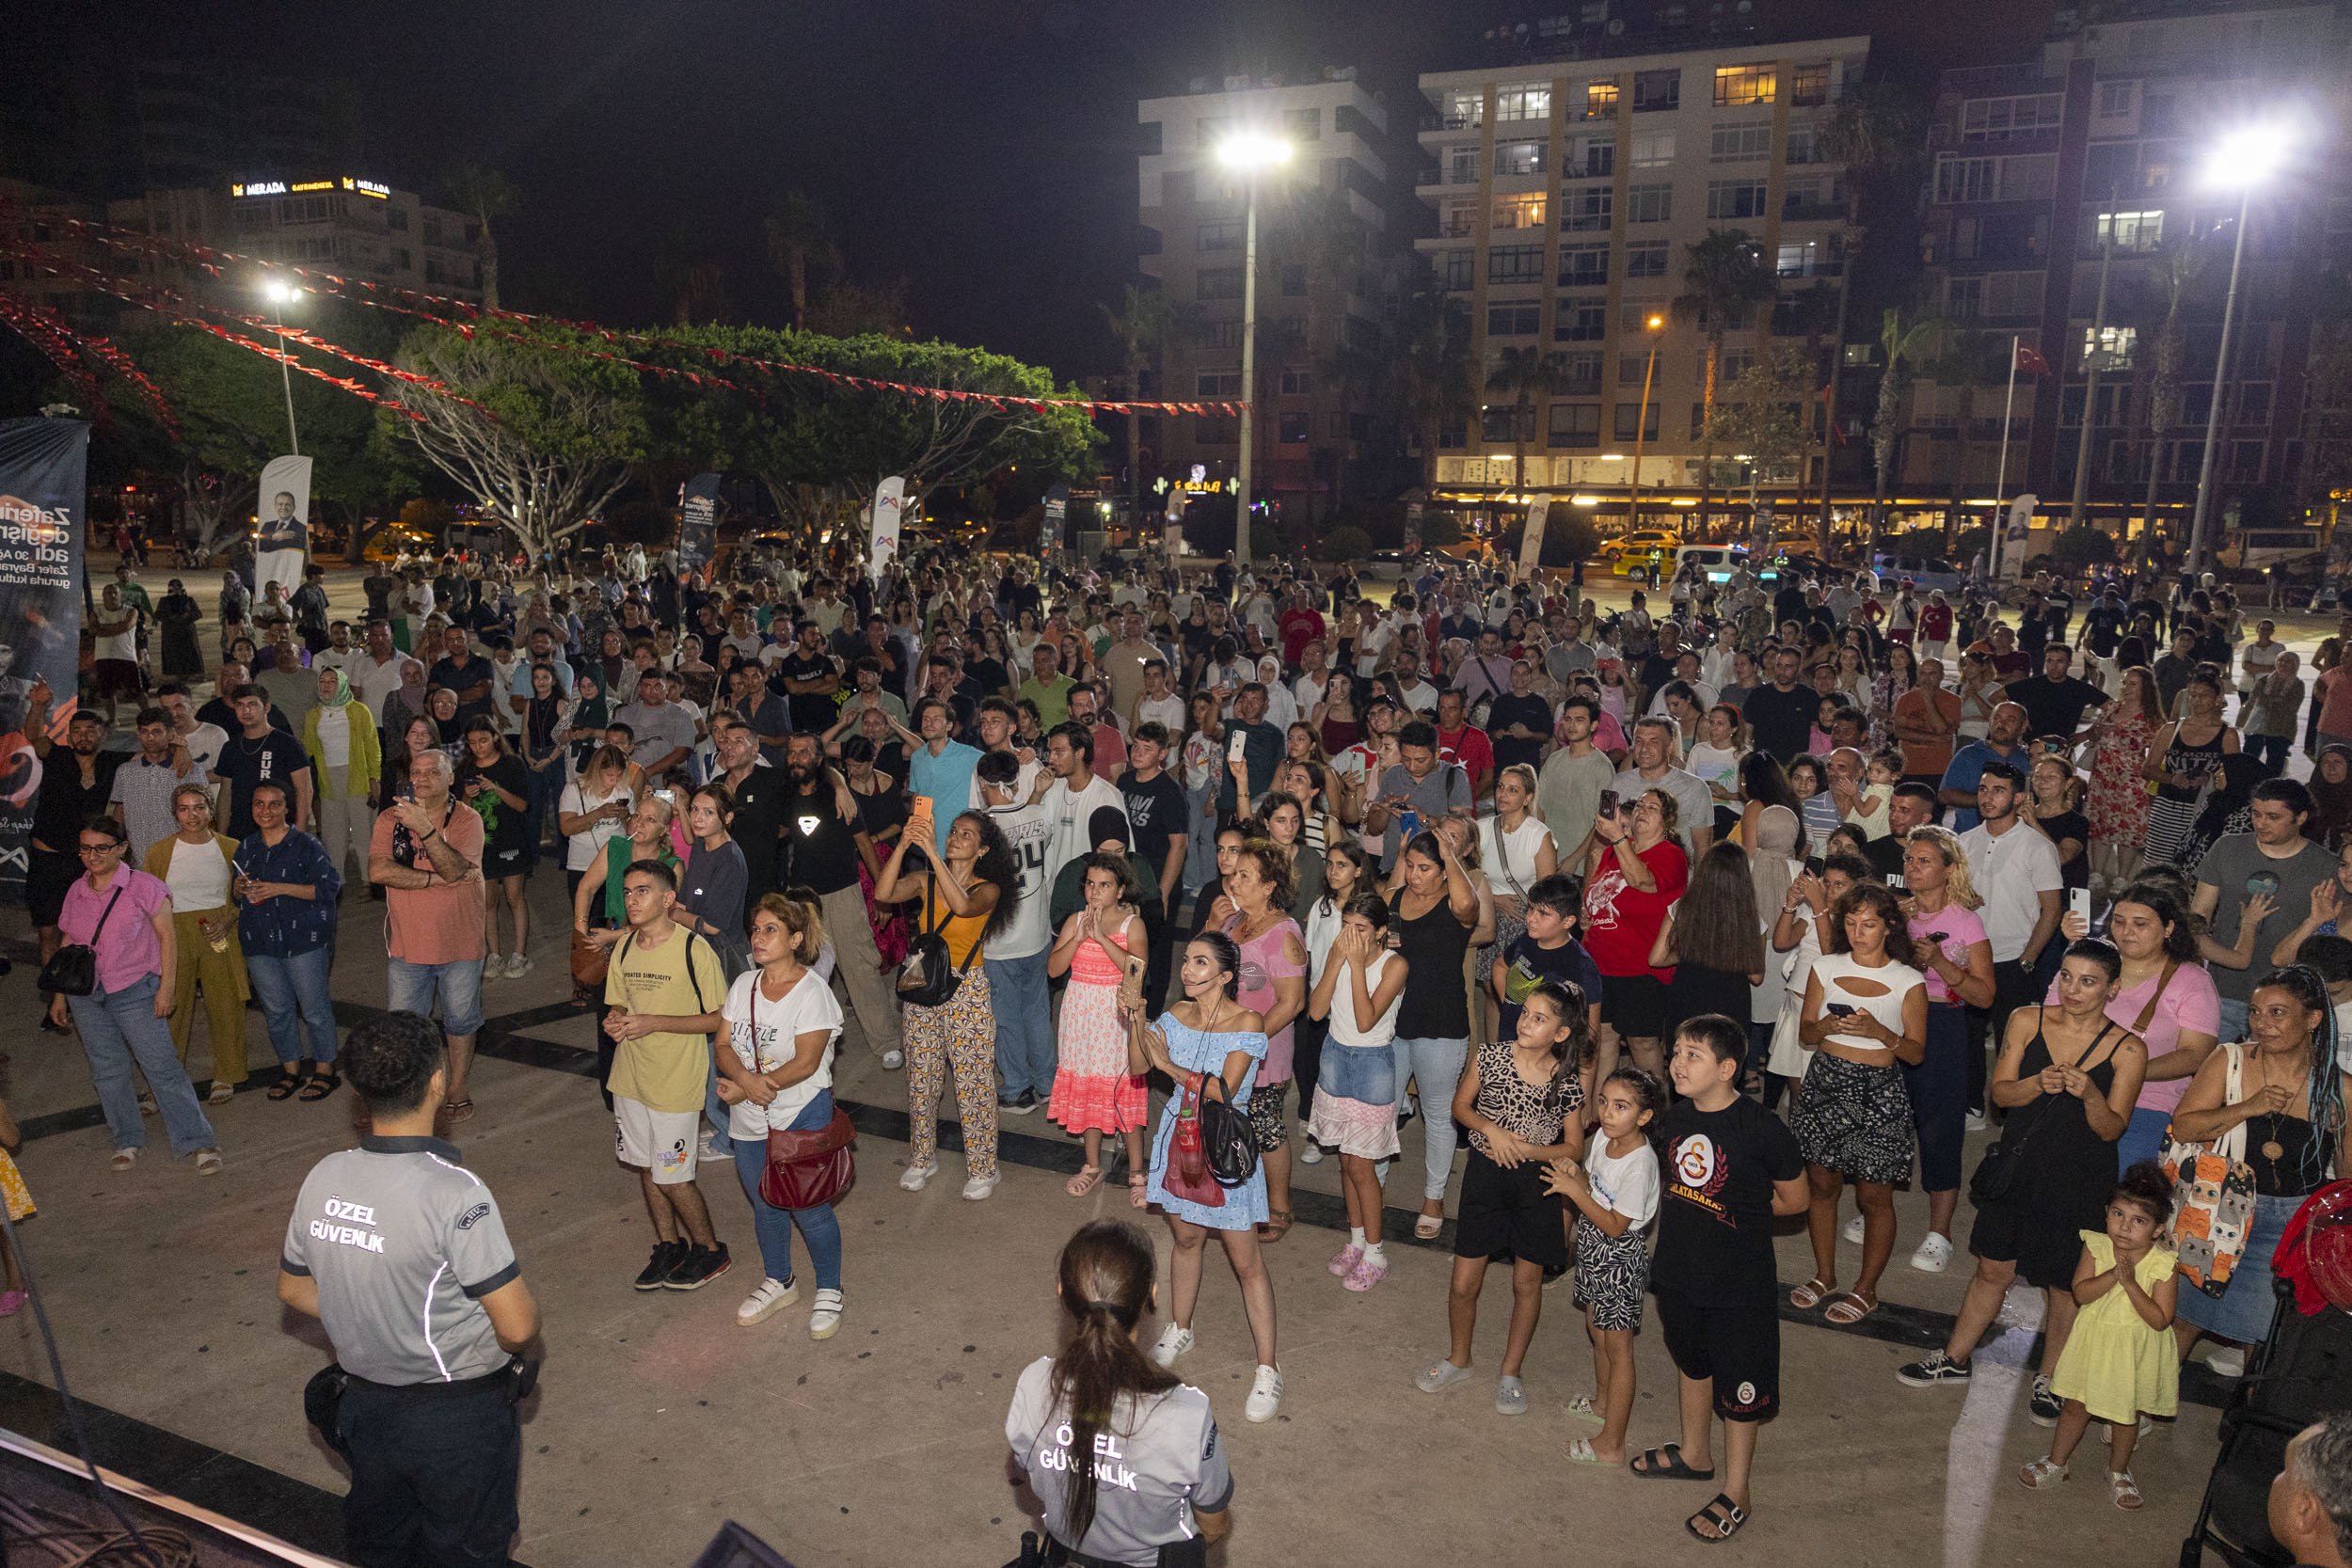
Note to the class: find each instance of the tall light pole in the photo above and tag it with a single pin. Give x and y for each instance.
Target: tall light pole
(1640, 420)
(279, 292)
(2244, 159)
(1248, 154)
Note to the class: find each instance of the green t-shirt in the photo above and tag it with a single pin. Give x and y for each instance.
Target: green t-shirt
(1052, 698)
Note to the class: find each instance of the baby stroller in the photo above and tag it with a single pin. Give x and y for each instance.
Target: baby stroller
(2301, 1371)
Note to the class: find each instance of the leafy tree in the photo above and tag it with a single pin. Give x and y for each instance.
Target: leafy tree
(862, 310)
(1762, 418)
(1435, 376)
(1971, 359)
(1724, 278)
(2077, 548)
(1526, 374)
(550, 435)
(1904, 344)
(1345, 543)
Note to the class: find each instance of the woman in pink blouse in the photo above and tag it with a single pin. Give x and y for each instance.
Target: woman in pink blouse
(126, 916)
(2165, 997)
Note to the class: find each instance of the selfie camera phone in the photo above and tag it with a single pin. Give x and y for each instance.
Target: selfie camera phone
(1608, 805)
(1234, 745)
(2079, 904)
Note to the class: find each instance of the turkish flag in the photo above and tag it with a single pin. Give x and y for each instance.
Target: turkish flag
(2030, 361)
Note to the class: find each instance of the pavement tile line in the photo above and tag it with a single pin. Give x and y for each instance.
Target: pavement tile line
(500, 1038)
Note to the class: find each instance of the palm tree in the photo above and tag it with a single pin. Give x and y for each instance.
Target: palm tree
(1434, 377)
(1971, 359)
(1143, 324)
(1526, 374)
(1323, 235)
(2181, 265)
(1875, 134)
(800, 242)
(483, 194)
(1724, 278)
(1904, 344)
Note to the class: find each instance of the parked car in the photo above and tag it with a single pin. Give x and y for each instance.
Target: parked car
(1383, 566)
(1927, 573)
(1716, 563)
(1655, 541)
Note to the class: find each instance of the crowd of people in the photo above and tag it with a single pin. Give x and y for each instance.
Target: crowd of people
(1681, 919)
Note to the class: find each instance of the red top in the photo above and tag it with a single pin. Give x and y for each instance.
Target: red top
(1621, 921)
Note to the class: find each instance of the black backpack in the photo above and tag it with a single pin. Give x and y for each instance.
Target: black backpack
(927, 978)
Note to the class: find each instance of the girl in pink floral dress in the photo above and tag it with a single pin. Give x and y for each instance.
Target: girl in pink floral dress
(1093, 1091)
(2118, 810)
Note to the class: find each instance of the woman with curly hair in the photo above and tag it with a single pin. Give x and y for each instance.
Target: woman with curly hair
(1274, 985)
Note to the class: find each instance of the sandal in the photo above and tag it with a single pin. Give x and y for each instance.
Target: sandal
(1276, 1225)
(1580, 1452)
(322, 1084)
(288, 1081)
(207, 1161)
(1849, 1309)
(1582, 1408)
(1725, 1515)
(1085, 1181)
(1425, 1227)
(1665, 1463)
(458, 1110)
(223, 1092)
(123, 1160)
(1810, 1294)
(2041, 1473)
(1139, 1189)
(2124, 1491)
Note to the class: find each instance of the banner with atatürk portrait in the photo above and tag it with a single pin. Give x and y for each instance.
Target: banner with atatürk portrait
(43, 493)
(282, 543)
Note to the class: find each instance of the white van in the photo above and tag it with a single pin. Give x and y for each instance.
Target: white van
(1716, 563)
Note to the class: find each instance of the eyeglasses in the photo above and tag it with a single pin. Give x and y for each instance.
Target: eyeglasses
(106, 848)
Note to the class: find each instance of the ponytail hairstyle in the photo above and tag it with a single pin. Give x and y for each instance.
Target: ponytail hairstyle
(1228, 952)
(1648, 1093)
(2326, 1087)
(1574, 1040)
(800, 914)
(1104, 1276)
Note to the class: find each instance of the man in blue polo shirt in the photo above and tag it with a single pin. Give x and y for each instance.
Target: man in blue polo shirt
(2005, 742)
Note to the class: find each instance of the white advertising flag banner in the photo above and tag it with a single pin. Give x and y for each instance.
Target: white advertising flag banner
(1532, 542)
(282, 542)
(889, 500)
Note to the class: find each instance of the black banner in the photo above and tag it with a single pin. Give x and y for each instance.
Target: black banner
(698, 521)
(43, 497)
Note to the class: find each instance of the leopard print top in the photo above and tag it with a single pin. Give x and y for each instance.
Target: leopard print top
(1535, 1112)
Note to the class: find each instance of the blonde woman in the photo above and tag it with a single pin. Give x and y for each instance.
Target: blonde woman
(199, 865)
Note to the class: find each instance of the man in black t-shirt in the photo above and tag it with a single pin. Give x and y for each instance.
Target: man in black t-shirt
(1157, 808)
(1782, 713)
(2054, 701)
(256, 753)
(1727, 1167)
(757, 789)
(811, 678)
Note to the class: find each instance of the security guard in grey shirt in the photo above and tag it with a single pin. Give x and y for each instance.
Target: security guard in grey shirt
(402, 1253)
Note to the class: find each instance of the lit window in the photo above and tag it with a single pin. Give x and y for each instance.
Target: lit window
(1519, 157)
(1527, 101)
(1518, 212)
(1600, 99)
(2129, 231)
(1737, 85)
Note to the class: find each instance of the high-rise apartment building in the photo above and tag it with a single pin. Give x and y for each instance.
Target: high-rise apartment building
(359, 228)
(1567, 193)
(2093, 156)
(1328, 268)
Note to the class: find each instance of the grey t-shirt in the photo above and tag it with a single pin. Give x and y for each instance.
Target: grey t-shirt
(1567, 795)
(1447, 788)
(2238, 869)
(1154, 1462)
(1695, 803)
(655, 731)
(403, 1241)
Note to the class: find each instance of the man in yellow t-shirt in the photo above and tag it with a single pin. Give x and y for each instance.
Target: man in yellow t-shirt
(665, 989)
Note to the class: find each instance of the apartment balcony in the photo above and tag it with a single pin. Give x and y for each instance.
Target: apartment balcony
(1812, 212)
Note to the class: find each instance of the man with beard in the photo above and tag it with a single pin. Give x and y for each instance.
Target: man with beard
(758, 789)
(76, 782)
(824, 842)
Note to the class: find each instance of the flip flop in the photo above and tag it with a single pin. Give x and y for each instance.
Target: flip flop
(458, 1110)
(1725, 1515)
(1138, 1190)
(1085, 1181)
(1810, 1294)
(1849, 1309)
(1276, 1226)
(1582, 1408)
(1581, 1453)
(1666, 1463)
(1425, 1227)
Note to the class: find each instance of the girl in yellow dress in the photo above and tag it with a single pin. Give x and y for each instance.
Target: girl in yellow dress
(2120, 1361)
(19, 1204)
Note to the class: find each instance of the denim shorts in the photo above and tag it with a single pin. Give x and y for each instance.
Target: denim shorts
(413, 988)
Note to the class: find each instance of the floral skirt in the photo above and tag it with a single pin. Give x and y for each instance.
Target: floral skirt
(1853, 1119)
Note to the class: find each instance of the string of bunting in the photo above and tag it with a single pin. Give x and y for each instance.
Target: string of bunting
(39, 326)
(212, 259)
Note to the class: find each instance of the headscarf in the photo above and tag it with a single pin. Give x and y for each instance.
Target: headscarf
(1778, 835)
(2331, 803)
(2229, 806)
(343, 689)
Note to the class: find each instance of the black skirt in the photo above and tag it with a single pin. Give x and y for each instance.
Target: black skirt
(1506, 1214)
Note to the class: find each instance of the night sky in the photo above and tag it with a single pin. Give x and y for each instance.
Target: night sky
(983, 150)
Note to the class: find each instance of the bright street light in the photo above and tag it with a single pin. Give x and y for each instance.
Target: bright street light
(279, 292)
(1249, 153)
(2246, 158)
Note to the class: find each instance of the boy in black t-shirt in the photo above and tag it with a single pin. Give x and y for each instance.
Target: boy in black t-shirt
(1729, 1167)
(1547, 951)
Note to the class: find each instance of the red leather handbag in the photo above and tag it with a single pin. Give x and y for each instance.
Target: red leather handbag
(808, 1170)
(1187, 1174)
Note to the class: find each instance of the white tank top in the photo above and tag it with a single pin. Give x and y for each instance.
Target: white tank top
(1900, 979)
(1383, 1030)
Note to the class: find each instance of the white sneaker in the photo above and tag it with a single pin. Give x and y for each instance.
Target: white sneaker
(981, 1187)
(707, 1150)
(893, 1060)
(519, 966)
(771, 1296)
(1173, 1342)
(494, 967)
(1975, 1121)
(1854, 1230)
(1933, 1253)
(1265, 1394)
(825, 1319)
(919, 1176)
(2229, 1361)
(1311, 1154)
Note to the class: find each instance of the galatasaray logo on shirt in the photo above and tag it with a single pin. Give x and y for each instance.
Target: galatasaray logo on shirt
(1694, 1160)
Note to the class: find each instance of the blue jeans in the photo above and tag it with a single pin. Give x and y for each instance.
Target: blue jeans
(2232, 1020)
(2142, 1139)
(546, 794)
(412, 989)
(1024, 1025)
(295, 1001)
(119, 1028)
(819, 1229)
(1938, 1087)
(717, 1113)
(1438, 1065)
(2271, 751)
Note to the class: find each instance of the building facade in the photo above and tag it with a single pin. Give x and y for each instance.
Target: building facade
(1566, 195)
(2093, 159)
(1329, 264)
(357, 228)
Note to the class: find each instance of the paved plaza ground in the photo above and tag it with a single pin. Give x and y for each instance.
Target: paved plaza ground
(657, 1417)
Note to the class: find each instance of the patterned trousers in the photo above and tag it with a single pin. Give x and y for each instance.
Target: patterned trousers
(960, 1034)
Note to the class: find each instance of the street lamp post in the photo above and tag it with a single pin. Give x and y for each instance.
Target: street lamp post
(1641, 421)
(2243, 159)
(1249, 153)
(279, 294)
